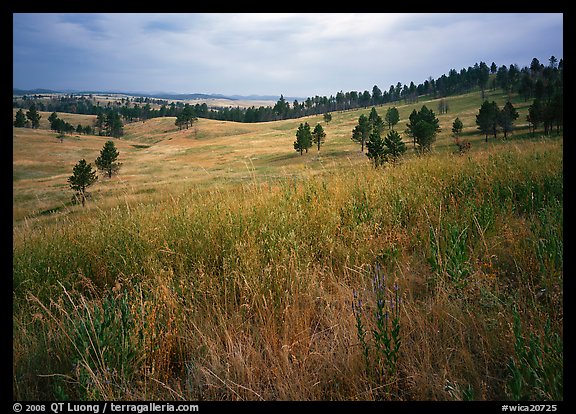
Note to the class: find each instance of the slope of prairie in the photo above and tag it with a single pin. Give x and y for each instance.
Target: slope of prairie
(155, 154)
(222, 265)
(244, 292)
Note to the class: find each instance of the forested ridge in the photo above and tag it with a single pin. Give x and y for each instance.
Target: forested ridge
(536, 81)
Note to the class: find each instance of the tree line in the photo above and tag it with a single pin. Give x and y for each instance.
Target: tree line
(129, 110)
(534, 81)
(423, 127)
(63, 127)
(107, 123)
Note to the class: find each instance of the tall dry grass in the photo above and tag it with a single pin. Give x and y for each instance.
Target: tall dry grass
(244, 292)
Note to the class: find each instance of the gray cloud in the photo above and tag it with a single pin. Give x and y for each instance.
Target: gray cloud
(301, 54)
(162, 26)
(85, 21)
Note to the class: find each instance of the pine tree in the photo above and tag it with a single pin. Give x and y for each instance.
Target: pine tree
(107, 160)
(487, 118)
(34, 117)
(506, 118)
(303, 138)
(20, 120)
(483, 77)
(361, 132)
(180, 123)
(56, 124)
(423, 127)
(318, 135)
(376, 95)
(376, 150)
(457, 126)
(53, 116)
(534, 116)
(113, 124)
(375, 120)
(100, 121)
(425, 135)
(83, 177)
(281, 107)
(395, 147)
(392, 117)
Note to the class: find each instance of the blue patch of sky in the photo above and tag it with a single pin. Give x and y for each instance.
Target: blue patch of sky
(89, 21)
(163, 26)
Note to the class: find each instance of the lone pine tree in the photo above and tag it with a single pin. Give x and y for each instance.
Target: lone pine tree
(318, 135)
(303, 138)
(82, 177)
(107, 160)
(457, 127)
(361, 132)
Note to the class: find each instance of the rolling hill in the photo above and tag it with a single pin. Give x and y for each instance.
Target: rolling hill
(219, 264)
(156, 152)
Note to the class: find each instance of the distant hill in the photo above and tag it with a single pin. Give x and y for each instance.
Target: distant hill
(16, 91)
(190, 96)
(159, 95)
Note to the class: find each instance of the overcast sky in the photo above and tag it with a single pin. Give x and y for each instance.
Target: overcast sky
(297, 55)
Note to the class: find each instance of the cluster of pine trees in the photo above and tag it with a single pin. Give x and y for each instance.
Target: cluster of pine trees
(548, 112)
(535, 80)
(367, 132)
(63, 127)
(128, 108)
(423, 127)
(186, 118)
(109, 124)
(30, 120)
(490, 118)
(83, 176)
(305, 137)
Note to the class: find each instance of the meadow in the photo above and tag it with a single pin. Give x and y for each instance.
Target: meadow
(220, 264)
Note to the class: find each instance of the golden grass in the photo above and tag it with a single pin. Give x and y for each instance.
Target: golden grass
(231, 261)
(155, 154)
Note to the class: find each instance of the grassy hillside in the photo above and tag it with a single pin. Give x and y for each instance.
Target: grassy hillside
(221, 264)
(156, 155)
